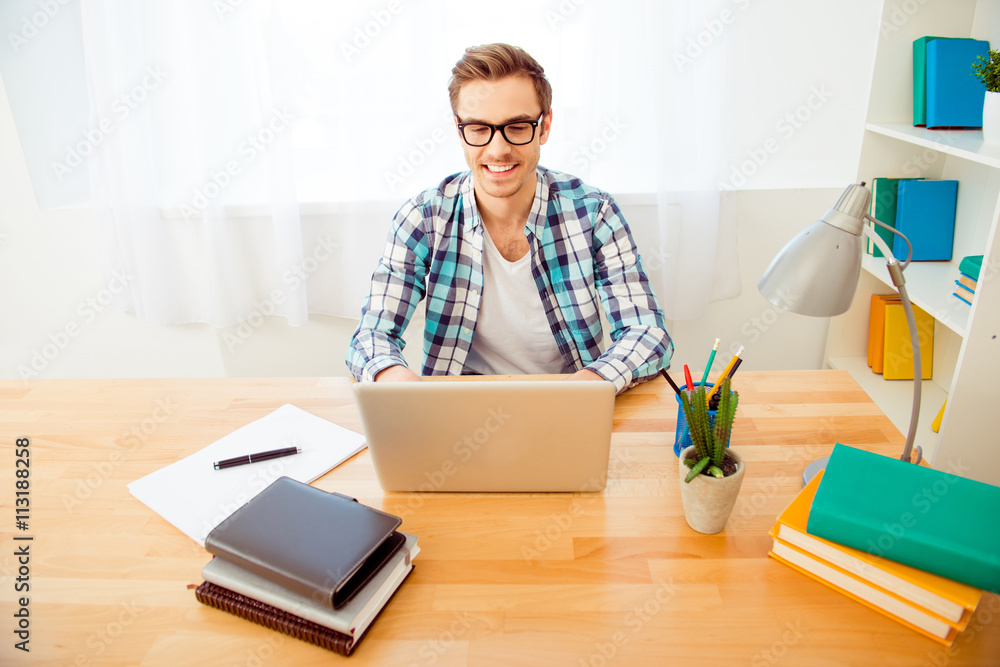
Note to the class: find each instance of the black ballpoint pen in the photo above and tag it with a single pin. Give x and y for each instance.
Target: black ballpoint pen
(254, 458)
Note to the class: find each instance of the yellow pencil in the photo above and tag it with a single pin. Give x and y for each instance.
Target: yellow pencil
(725, 372)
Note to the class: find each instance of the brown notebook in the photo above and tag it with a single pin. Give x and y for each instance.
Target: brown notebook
(277, 619)
(323, 545)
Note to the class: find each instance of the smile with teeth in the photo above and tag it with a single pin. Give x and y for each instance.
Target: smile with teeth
(498, 168)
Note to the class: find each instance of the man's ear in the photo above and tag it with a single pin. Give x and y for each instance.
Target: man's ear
(546, 124)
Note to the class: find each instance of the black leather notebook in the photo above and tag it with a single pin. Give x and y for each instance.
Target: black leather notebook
(323, 545)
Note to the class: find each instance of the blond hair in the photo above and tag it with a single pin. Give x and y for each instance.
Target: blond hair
(491, 62)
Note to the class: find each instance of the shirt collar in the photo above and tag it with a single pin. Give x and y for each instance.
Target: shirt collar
(536, 216)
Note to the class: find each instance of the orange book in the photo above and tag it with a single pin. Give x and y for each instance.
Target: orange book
(876, 329)
(898, 348)
(937, 607)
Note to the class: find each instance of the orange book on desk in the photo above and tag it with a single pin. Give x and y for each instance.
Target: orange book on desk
(937, 607)
(876, 330)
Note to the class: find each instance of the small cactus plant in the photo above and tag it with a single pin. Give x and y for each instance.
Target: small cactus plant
(709, 439)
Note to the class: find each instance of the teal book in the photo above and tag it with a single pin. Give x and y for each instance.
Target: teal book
(971, 266)
(883, 208)
(954, 95)
(925, 213)
(918, 516)
(920, 79)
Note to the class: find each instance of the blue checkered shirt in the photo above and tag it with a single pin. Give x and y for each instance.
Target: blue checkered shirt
(583, 258)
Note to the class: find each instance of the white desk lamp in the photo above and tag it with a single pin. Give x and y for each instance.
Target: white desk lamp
(816, 274)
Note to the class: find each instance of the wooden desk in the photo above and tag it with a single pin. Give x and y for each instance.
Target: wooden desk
(552, 579)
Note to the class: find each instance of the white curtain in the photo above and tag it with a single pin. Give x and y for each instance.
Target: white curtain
(256, 151)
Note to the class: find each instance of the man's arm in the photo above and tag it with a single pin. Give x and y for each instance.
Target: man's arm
(397, 286)
(641, 344)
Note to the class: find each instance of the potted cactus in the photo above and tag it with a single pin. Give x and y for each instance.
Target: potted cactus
(987, 70)
(711, 473)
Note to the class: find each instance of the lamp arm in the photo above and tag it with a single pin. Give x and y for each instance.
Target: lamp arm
(883, 246)
(896, 273)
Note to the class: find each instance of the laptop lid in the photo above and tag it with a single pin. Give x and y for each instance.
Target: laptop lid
(488, 435)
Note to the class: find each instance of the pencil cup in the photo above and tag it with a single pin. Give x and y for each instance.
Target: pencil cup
(682, 437)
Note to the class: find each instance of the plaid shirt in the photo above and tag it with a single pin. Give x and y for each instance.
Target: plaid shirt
(581, 249)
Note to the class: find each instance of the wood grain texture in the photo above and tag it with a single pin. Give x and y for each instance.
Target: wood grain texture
(589, 579)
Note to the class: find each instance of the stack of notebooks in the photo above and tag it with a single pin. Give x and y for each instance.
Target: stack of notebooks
(923, 210)
(945, 92)
(912, 543)
(890, 348)
(965, 286)
(314, 565)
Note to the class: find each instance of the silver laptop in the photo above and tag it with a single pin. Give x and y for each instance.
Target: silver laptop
(488, 435)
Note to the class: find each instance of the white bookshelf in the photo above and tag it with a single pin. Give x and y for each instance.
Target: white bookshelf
(967, 338)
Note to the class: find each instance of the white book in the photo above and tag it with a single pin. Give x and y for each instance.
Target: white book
(351, 619)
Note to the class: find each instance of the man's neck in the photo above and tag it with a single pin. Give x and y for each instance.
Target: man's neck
(506, 214)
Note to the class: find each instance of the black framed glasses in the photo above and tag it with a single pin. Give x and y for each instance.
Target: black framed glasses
(517, 133)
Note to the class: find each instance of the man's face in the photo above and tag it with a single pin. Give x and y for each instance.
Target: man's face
(500, 169)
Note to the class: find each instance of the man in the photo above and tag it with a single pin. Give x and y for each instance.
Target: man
(510, 257)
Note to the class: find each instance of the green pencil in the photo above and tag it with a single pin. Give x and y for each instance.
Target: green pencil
(711, 360)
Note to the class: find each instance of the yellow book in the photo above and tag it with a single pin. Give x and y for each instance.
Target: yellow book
(933, 605)
(898, 349)
(876, 329)
(936, 424)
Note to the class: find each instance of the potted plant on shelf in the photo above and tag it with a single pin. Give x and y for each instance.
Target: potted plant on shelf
(710, 472)
(987, 70)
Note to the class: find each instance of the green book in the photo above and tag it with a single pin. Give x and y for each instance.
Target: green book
(971, 266)
(885, 192)
(920, 79)
(918, 516)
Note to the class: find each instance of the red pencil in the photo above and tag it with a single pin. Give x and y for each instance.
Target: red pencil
(687, 377)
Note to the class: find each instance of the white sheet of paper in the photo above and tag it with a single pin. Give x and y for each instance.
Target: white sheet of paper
(194, 496)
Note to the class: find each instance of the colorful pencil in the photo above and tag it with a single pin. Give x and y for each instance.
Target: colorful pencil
(725, 372)
(688, 379)
(667, 377)
(711, 360)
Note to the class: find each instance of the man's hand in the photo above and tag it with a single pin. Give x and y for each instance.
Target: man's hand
(584, 374)
(397, 374)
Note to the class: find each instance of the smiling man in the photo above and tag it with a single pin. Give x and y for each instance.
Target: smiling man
(514, 261)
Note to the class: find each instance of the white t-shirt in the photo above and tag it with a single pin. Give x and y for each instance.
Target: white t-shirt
(512, 334)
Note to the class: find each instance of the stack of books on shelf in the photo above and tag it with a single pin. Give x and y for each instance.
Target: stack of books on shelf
(908, 541)
(314, 565)
(923, 210)
(890, 348)
(965, 286)
(945, 92)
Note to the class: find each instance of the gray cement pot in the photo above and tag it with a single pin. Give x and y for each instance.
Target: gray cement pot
(708, 501)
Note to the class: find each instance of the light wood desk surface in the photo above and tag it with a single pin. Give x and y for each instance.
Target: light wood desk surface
(612, 578)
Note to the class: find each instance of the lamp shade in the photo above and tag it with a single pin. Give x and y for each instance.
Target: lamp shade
(816, 273)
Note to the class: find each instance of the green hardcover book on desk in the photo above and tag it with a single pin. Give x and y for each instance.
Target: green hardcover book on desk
(918, 516)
